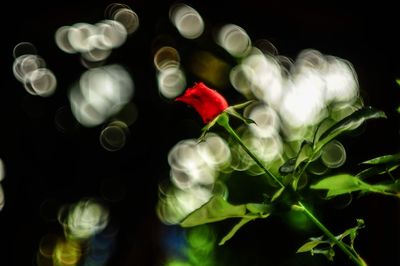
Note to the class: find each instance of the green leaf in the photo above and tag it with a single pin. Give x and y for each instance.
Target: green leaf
(319, 245)
(395, 187)
(379, 169)
(398, 81)
(348, 123)
(314, 247)
(306, 152)
(345, 183)
(216, 209)
(340, 184)
(323, 126)
(258, 208)
(288, 167)
(384, 159)
(391, 189)
(234, 229)
(329, 253)
(352, 232)
(308, 246)
(277, 194)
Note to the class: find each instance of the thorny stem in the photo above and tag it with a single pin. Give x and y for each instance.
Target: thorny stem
(223, 120)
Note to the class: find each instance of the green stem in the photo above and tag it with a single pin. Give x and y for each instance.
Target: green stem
(355, 258)
(396, 195)
(223, 120)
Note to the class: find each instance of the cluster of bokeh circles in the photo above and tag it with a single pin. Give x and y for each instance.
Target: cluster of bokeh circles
(95, 42)
(29, 68)
(101, 97)
(291, 98)
(88, 238)
(103, 94)
(194, 171)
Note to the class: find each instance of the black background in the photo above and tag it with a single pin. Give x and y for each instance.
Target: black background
(43, 163)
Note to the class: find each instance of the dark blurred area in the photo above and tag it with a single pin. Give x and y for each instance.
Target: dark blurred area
(46, 167)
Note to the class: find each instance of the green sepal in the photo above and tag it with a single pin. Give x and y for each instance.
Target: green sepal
(242, 105)
(234, 113)
(207, 128)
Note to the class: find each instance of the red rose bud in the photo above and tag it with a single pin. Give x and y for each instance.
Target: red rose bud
(207, 102)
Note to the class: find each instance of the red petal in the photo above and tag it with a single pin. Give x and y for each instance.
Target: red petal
(207, 102)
